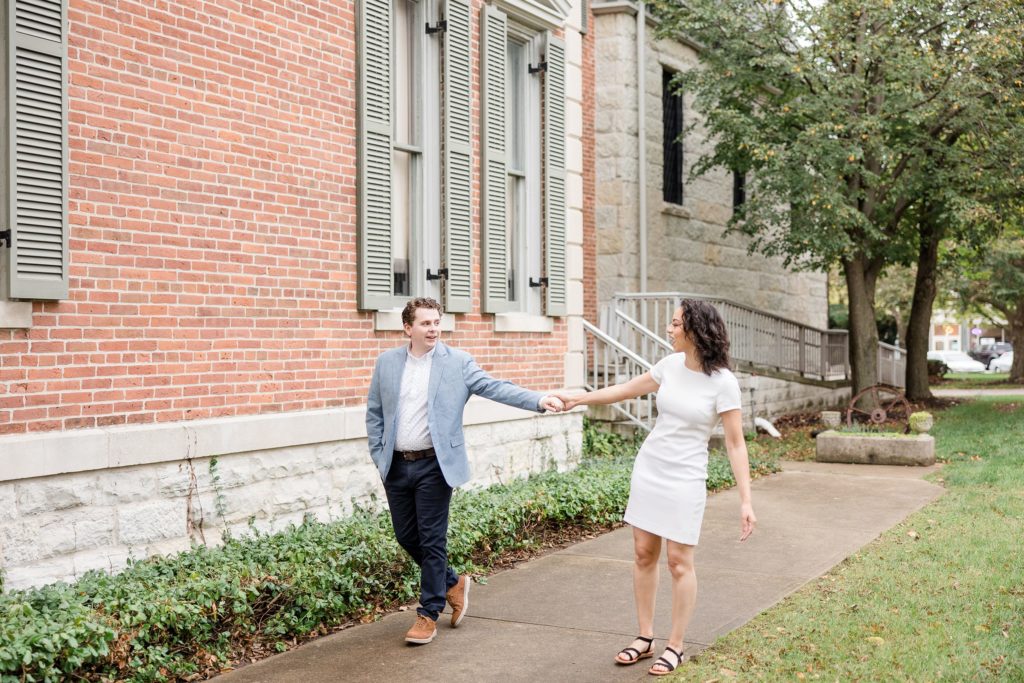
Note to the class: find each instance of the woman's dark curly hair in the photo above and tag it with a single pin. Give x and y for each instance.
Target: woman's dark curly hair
(706, 329)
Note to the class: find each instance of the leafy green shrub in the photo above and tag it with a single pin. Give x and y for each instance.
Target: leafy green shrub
(166, 618)
(937, 369)
(598, 443)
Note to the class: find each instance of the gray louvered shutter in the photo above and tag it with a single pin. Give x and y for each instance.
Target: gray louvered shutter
(494, 173)
(374, 154)
(38, 150)
(554, 169)
(458, 160)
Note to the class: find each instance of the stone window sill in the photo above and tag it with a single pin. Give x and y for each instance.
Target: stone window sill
(15, 315)
(675, 210)
(522, 322)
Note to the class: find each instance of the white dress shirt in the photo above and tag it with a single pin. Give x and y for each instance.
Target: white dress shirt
(413, 432)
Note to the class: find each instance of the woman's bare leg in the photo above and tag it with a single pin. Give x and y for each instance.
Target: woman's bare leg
(684, 593)
(646, 552)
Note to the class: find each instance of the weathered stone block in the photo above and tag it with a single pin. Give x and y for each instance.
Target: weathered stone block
(144, 523)
(127, 485)
(35, 538)
(39, 573)
(58, 493)
(94, 527)
(8, 500)
(110, 559)
(871, 449)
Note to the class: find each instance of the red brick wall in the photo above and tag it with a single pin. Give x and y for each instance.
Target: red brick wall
(213, 225)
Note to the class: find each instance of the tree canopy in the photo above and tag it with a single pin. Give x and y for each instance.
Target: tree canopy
(861, 121)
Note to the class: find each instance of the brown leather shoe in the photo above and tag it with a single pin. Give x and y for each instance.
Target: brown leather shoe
(458, 598)
(422, 632)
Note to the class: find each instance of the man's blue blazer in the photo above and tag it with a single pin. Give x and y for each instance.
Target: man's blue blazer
(454, 377)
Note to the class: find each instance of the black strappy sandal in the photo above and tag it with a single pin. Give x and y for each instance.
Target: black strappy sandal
(634, 658)
(669, 667)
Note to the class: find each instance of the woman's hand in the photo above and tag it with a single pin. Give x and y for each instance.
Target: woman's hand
(747, 521)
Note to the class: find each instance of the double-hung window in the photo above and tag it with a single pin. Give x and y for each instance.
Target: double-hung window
(415, 152)
(523, 166)
(414, 184)
(415, 142)
(523, 219)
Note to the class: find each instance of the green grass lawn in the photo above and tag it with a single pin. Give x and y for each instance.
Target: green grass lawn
(937, 598)
(977, 380)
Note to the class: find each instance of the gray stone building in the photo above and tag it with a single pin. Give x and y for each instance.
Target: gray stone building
(654, 231)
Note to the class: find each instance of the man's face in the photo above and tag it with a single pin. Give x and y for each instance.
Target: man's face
(424, 331)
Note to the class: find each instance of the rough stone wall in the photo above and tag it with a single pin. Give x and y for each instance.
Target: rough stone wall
(56, 528)
(769, 397)
(615, 131)
(686, 247)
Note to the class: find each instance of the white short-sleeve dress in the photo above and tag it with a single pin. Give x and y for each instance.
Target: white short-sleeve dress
(668, 488)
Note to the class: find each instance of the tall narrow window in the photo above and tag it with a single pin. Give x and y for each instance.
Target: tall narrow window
(399, 182)
(515, 121)
(672, 118)
(415, 151)
(739, 189)
(407, 150)
(523, 164)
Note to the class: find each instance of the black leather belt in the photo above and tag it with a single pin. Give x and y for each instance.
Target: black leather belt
(410, 456)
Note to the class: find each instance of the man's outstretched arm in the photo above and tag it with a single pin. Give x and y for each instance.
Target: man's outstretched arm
(503, 391)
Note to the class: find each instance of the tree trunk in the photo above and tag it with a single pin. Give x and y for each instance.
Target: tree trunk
(921, 312)
(860, 287)
(1017, 339)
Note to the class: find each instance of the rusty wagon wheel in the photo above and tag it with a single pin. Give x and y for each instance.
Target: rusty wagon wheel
(886, 401)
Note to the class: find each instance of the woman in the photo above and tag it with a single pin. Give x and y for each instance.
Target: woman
(667, 492)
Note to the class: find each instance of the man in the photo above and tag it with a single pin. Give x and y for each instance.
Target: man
(414, 429)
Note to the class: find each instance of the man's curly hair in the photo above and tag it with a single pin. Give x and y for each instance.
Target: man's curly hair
(706, 329)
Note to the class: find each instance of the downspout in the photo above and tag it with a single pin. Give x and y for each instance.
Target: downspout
(641, 134)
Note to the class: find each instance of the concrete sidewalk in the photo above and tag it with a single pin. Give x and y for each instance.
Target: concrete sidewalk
(563, 616)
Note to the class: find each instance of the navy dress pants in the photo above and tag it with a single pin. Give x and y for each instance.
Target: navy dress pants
(418, 497)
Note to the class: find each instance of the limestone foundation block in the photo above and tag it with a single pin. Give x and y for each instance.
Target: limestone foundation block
(869, 449)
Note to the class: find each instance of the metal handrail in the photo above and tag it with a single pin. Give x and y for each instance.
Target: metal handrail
(606, 363)
(758, 338)
(619, 348)
(647, 338)
(704, 297)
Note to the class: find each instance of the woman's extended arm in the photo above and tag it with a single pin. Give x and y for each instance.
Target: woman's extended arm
(638, 386)
(736, 447)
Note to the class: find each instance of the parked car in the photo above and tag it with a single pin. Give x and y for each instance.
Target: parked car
(989, 352)
(1003, 363)
(957, 361)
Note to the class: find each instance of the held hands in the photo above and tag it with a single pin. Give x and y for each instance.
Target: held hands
(568, 401)
(558, 402)
(747, 521)
(552, 404)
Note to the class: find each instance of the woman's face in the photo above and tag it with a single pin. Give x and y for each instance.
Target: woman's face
(676, 334)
